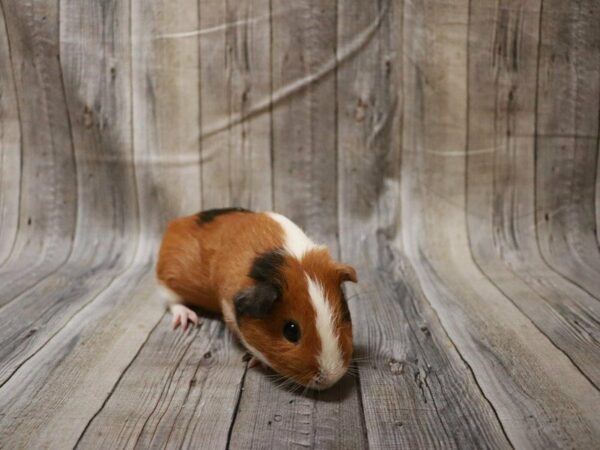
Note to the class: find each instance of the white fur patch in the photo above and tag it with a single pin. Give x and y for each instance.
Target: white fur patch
(330, 359)
(168, 294)
(296, 242)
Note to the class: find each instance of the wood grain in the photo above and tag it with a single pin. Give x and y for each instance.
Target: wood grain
(514, 363)
(411, 373)
(447, 149)
(567, 140)
(214, 106)
(502, 219)
(273, 414)
(304, 123)
(46, 217)
(10, 147)
(49, 401)
(248, 43)
(166, 124)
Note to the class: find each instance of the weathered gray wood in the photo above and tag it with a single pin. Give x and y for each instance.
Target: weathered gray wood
(49, 401)
(451, 145)
(367, 129)
(248, 43)
(10, 147)
(47, 195)
(502, 222)
(405, 351)
(304, 123)
(101, 131)
(180, 391)
(166, 123)
(273, 414)
(567, 133)
(214, 104)
(514, 363)
(432, 399)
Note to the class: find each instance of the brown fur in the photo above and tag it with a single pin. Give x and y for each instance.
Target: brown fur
(204, 263)
(297, 361)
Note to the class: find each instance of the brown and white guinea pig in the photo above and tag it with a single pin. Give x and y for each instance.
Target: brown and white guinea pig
(277, 290)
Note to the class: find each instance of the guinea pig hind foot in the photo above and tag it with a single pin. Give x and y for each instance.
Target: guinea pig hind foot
(182, 315)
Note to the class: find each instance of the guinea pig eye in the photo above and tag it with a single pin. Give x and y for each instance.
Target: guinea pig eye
(291, 331)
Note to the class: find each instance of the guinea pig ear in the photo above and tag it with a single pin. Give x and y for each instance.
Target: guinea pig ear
(256, 301)
(346, 273)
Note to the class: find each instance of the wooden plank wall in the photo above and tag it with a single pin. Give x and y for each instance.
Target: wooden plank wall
(447, 149)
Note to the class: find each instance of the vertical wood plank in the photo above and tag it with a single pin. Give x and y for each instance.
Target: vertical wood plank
(187, 396)
(369, 86)
(304, 121)
(512, 361)
(402, 349)
(214, 94)
(10, 147)
(46, 216)
(50, 400)
(166, 114)
(107, 207)
(248, 42)
(567, 140)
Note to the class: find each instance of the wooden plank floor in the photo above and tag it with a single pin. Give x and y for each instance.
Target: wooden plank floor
(446, 148)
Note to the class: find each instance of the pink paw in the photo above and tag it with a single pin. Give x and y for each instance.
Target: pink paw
(183, 315)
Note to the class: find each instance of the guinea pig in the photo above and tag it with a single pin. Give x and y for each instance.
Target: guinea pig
(278, 291)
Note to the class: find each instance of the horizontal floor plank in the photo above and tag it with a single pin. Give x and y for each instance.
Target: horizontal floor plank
(180, 391)
(49, 401)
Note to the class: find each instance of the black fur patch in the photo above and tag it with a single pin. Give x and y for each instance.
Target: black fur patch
(266, 268)
(210, 214)
(258, 300)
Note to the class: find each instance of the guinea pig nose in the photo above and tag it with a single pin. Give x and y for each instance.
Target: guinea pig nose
(320, 377)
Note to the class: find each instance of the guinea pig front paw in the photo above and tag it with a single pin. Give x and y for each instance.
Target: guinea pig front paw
(252, 361)
(182, 315)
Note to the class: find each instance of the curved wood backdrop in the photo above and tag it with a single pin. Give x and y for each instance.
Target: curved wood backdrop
(448, 149)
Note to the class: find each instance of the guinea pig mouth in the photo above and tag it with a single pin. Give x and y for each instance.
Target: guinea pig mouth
(324, 380)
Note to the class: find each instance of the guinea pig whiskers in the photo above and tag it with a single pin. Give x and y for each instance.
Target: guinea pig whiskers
(352, 369)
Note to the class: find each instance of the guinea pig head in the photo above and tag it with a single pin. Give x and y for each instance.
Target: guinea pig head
(294, 317)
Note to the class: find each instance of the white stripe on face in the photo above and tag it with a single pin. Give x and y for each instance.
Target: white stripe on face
(330, 359)
(331, 362)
